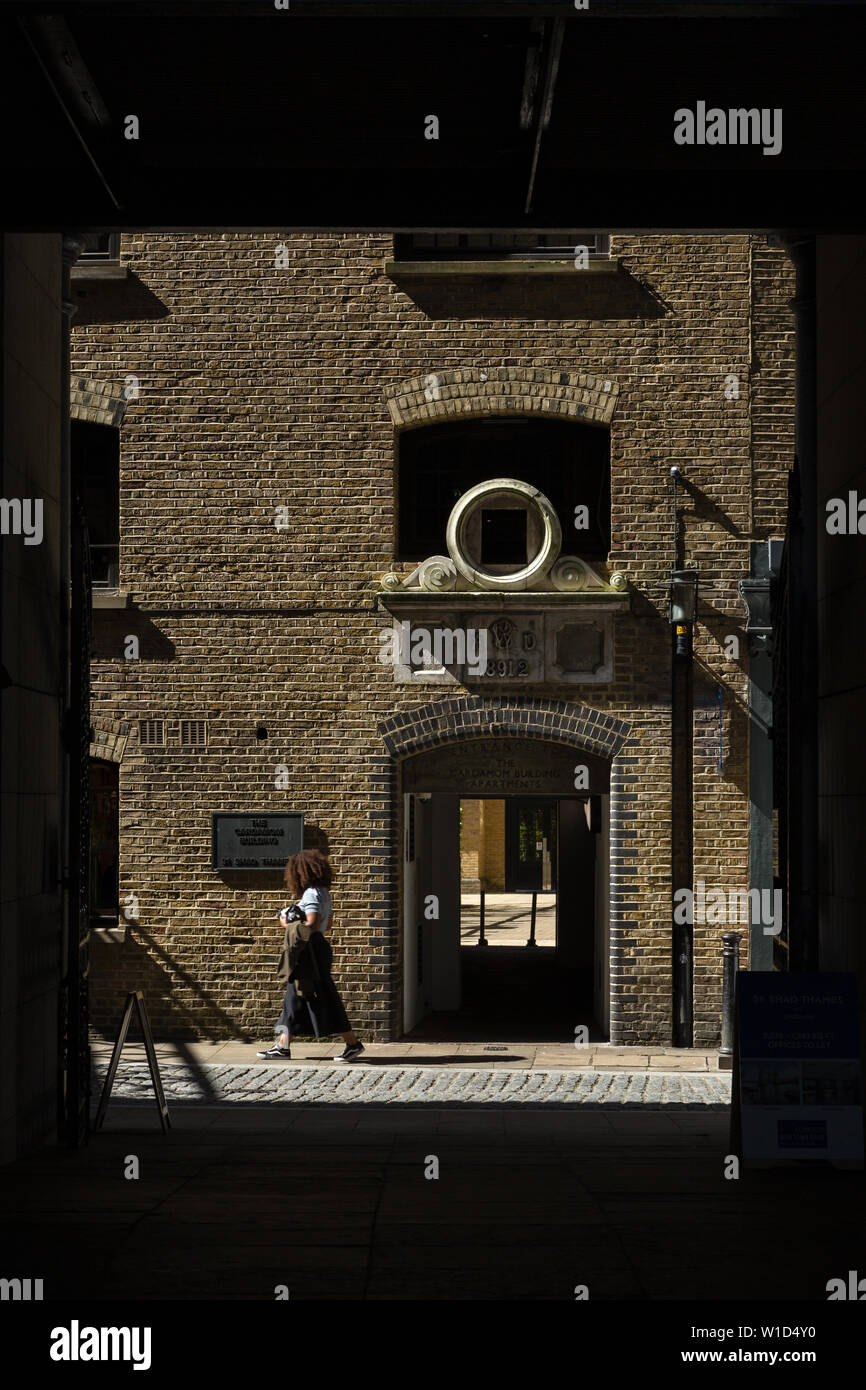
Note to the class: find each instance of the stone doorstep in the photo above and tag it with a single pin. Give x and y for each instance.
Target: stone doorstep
(672, 1062)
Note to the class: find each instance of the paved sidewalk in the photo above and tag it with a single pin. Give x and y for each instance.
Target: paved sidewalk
(508, 918)
(560, 1056)
(281, 1083)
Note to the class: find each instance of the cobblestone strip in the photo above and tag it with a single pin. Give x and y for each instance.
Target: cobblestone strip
(212, 1084)
(636, 1087)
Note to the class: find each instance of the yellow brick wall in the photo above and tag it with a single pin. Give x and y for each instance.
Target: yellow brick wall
(263, 387)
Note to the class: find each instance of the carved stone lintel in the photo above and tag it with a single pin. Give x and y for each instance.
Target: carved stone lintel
(484, 648)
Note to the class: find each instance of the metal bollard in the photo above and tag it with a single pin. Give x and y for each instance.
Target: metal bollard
(532, 941)
(482, 941)
(730, 965)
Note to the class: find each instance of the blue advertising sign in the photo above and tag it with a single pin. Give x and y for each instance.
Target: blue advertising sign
(799, 1066)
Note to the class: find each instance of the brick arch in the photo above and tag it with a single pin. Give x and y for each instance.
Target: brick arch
(467, 717)
(440, 395)
(96, 401)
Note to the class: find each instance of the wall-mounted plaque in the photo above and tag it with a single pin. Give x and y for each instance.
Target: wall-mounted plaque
(252, 841)
(489, 647)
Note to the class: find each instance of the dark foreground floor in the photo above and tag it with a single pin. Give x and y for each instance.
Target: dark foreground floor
(334, 1203)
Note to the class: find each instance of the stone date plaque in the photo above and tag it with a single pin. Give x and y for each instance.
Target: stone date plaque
(515, 648)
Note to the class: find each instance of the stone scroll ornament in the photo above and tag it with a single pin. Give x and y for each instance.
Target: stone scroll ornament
(569, 574)
(438, 573)
(462, 570)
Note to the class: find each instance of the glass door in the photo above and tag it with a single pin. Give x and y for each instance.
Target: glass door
(530, 859)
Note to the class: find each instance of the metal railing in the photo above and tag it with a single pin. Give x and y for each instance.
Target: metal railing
(482, 939)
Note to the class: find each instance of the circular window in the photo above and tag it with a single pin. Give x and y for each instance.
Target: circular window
(503, 534)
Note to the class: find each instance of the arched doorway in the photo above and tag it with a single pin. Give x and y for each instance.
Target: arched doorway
(546, 763)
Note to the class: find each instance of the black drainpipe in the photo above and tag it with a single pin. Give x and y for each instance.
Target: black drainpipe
(803, 628)
(70, 1041)
(682, 848)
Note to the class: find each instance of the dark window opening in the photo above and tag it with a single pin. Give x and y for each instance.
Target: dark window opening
(567, 461)
(503, 537)
(479, 246)
(104, 842)
(96, 480)
(100, 246)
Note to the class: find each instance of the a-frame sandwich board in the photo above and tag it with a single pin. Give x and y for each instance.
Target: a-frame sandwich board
(134, 1000)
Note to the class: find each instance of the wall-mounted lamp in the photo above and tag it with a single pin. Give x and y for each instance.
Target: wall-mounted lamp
(683, 585)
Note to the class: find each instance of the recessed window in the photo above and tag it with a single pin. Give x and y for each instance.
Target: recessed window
(566, 460)
(104, 842)
(101, 246)
(503, 537)
(96, 481)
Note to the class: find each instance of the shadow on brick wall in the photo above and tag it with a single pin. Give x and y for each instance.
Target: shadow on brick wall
(111, 627)
(535, 296)
(143, 963)
(115, 301)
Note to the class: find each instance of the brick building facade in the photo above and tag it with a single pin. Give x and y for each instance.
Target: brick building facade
(239, 375)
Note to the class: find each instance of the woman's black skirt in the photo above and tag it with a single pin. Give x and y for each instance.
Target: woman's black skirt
(321, 1015)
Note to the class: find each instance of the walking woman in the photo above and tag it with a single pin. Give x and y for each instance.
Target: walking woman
(308, 876)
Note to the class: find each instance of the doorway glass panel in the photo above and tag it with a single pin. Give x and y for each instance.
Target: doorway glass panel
(530, 865)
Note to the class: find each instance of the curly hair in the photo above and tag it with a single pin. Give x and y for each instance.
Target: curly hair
(308, 869)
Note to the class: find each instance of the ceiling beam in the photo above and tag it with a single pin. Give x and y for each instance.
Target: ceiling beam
(75, 91)
(553, 35)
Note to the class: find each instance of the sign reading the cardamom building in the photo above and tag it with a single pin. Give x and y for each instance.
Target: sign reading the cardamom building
(253, 841)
